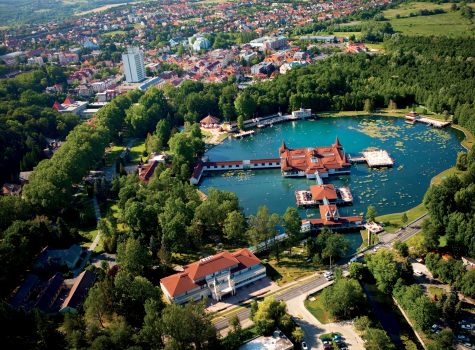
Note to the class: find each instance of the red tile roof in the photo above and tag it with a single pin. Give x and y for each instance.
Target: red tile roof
(181, 282)
(323, 191)
(79, 290)
(69, 101)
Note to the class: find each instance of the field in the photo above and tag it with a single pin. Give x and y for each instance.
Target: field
(468, 142)
(452, 171)
(393, 221)
(449, 23)
(316, 308)
(102, 8)
(114, 33)
(136, 151)
(114, 153)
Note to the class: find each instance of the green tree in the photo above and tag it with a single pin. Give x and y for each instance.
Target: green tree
(424, 313)
(361, 324)
(134, 258)
(401, 248)
(376, 339)
(234, 225)
(163, 131)
(269, 314)
(240, 121)
(384, 269)
(371, 214)
(357, 271)
(189, 324)
(343, 297)
(404, 219)
(298, 335)
(368, 106)
(335, 245)
(292, 225)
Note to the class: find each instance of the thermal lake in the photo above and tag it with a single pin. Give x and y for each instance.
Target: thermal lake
(420, 152)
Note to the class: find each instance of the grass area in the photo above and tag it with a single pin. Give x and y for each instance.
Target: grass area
(103, 8)
(446, 173)
(114, 153)
(393, 221)
(114, 33)
(376, 47)
(184, 259)
(468, 142)
(450, 24)
(316, 308)
(290, 268)
(136, 151)
(88, 235)
(434, 290)
(346, 34)
(224, 136)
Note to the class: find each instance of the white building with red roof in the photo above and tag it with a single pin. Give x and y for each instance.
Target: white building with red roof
(70, 106)
(309, 162)
(213, 276)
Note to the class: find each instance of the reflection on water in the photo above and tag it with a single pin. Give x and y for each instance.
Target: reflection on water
(419, 151)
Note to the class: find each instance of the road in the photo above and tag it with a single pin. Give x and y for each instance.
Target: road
(306, 288)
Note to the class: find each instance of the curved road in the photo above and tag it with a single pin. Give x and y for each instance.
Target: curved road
(409, 231)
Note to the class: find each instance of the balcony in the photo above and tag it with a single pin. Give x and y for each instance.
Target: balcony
(249, 274)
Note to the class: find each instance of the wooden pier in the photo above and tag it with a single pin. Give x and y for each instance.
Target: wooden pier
(378, 158)
(243, 134)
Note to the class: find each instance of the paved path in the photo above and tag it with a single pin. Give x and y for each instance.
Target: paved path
(319, 282)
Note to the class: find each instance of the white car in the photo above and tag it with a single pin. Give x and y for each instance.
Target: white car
(466, 326)
(304, 346)
(353, 259)
(434, 328)
(326, 342)
(328, 273)
(468, 345)
(329, 278)
(375, 249)
(462, 337)
(418, 273)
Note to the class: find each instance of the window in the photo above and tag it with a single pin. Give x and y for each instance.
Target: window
(215, 166)
(237, 166)
(270, 163)
(222, 166)
(263, 164)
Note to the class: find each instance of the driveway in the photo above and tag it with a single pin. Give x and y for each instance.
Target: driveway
(313, 328)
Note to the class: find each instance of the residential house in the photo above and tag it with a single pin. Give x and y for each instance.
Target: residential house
(60, 256)
(78, 292)
(11, 189)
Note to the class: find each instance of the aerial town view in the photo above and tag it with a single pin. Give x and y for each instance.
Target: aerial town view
(237, 174)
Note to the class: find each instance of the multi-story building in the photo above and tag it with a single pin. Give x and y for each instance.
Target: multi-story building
(213, 276)
(134, 67)
(269, 42)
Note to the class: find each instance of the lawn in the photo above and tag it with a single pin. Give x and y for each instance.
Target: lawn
(184, 259)
(114, 153)
(468, 142)
(449, 24)
(434, 290)
(136, 151)
(393, 221)
(290, 268)
(446, 173)
(222, 137)
(316, 308)
(376, 47)
(114, 33)
(346, 34)
(88, 235)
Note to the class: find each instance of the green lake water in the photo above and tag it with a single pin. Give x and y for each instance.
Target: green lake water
(420, 153)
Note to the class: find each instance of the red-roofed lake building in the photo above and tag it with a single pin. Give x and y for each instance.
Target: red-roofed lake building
(213, 276)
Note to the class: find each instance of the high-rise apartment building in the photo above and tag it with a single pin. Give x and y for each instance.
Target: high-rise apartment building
(133, 65)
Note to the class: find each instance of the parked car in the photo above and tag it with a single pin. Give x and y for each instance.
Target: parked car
(418, 273)
(337, 337)
(341, 345)
(466, 326)
(468, 345)
(329, 278)
(462, 322)
(327, 347)
(462, 337)
(353, 259)
(304, 346)
(326, 342)
(328, 273)
(375, 249)
(434, 328)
